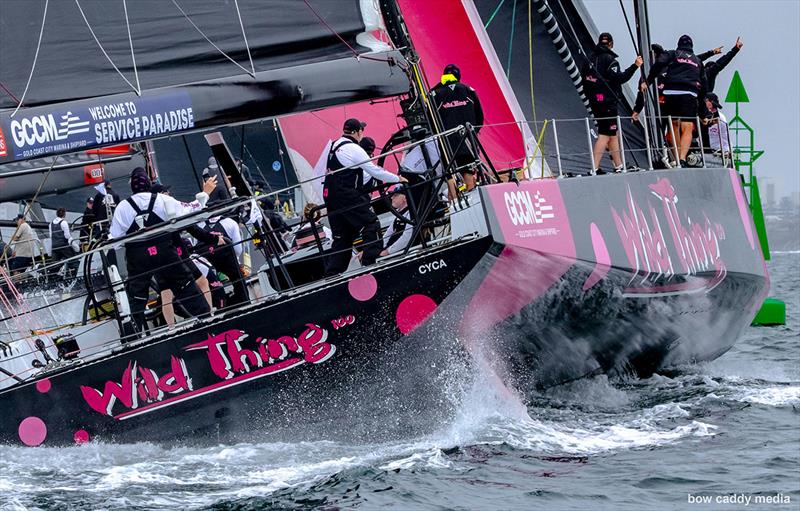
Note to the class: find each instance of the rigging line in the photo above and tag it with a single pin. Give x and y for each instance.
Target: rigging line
(338, 36)
(334, 32)
(628, 23)
(77, 2)
(530, 61)
(244, 36)
(258, 167)
(496, 10)
(10, 94)
(133, 55)
(280, 150)
(175, 3)
(511, 38)
(35, 58)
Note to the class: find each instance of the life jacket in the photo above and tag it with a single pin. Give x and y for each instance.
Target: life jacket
(341, 180)
(57, 238)
(684, 72)
(147, 218)
(204, 249)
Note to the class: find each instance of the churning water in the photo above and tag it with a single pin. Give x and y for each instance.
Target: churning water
(726, 430)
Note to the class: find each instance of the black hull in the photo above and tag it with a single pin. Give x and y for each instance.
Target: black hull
(627, 274)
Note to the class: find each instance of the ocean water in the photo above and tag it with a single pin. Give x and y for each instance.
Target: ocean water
(728, 430)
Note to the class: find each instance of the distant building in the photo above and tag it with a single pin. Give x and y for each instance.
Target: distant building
(770, 195)
(795, 200)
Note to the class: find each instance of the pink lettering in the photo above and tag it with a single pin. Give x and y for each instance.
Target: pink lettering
(644, 246)
(697, 245)
(148, 385)
(125, 391)
(177, 380)
(313, 342)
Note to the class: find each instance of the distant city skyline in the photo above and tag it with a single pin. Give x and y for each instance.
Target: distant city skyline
(769, 64)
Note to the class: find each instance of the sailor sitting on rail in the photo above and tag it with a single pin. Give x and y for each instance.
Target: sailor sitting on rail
(398, 235)
(156, 255)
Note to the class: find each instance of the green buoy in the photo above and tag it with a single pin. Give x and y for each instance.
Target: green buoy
(773, 311)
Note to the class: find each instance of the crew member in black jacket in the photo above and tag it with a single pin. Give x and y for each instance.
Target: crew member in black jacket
(684, 82)
(602, 83)
(715, 67)
(458, 104)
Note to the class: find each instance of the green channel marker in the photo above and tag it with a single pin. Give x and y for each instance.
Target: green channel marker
(773, 311)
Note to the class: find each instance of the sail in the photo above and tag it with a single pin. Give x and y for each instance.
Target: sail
(104, 73)
(443, 33)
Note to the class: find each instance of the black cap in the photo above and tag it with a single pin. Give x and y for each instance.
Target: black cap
(605, 39)
(714, 100)
(90, 199)
(353, 125)
(19, 217)
(368, 144)
(160, 188)
(107, 182)
(452, 69)
(685, 42)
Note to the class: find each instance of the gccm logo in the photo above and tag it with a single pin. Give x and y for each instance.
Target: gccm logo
(42, 129)
(524, 210)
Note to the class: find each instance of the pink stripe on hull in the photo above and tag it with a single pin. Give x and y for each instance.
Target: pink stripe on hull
(516, 279)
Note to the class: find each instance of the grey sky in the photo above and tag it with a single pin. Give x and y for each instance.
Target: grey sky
(769, 64)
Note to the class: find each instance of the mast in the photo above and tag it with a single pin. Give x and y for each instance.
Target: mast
(651, 108)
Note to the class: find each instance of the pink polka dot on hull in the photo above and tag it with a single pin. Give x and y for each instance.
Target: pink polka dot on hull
(43, 386)
(32, 431)
(413, 311)
(363, 288)
(81, 436)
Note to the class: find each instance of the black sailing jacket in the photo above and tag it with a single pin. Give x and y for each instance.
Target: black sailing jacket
(602, 78)
(684, 71)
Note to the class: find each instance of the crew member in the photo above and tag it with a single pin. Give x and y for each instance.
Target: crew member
(715, 126)
(398, 235)
(62, 245)
(214, 170)
(347, 199)
(457, 104)
(88, 219)
(421, 166)
(368, 144)
(104, 203)
(226, 258)
(684, 82)
(200, 269)
(602, 83)
(715, 67)
(156, 255)
(655, 52)
(24, 243)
